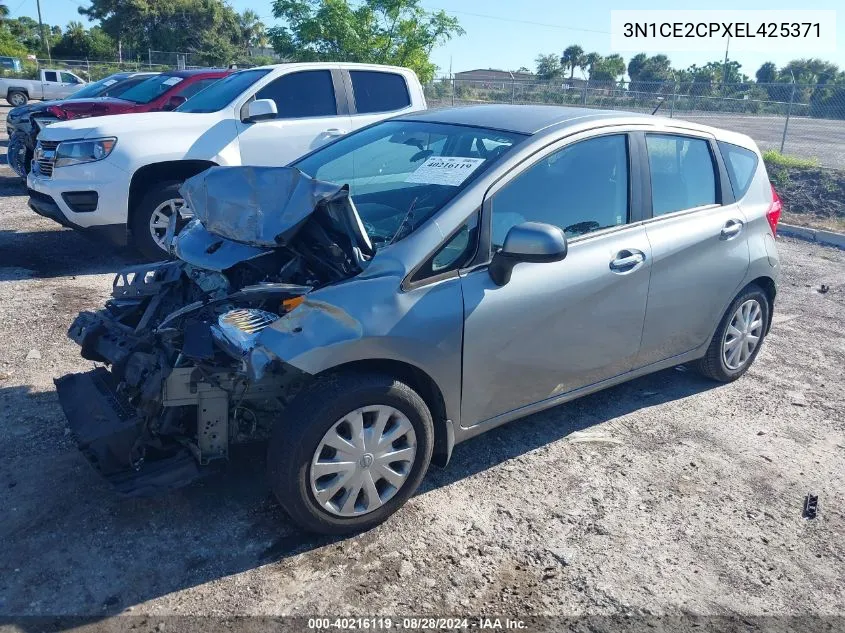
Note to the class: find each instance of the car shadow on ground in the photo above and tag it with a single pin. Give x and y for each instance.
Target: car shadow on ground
(58, 253)
(79, 549)
(10, 185)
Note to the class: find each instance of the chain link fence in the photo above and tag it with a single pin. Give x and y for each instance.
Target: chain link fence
(802, 120)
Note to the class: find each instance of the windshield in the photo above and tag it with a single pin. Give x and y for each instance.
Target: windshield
(95, 89)
(221, 93)
(402, 172)
(151, 89)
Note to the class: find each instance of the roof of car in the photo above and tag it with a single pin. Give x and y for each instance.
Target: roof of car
(524, 119)
(196, 71)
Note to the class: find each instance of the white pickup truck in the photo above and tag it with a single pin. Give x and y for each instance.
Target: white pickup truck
(51, 84)
(119, 176)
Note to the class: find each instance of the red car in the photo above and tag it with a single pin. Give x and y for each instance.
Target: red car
(165, 91)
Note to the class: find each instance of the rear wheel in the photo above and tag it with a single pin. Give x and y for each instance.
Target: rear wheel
(738, 339)
(17, 98)
(152, 216)
(350, 451)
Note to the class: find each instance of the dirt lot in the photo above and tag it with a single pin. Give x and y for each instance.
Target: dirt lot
(667, 495)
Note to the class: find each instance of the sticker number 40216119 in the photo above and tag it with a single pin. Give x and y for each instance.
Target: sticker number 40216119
(444, 170)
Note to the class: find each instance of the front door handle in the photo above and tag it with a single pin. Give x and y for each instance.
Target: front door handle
(627, 260)
(731, 229)
(334, 131)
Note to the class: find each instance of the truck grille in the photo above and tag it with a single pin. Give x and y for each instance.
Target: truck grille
(45, 157)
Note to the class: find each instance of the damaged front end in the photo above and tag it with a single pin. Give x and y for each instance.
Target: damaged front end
(176, 335)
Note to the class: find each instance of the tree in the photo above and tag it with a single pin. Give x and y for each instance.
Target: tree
(399, 32)
(209, 29)
(767, 73)
(608, 68)
(588, 61)
(572, 58)
(547, 66)
(4, 11)
(648, 73)
(77, 43)
(253, 32)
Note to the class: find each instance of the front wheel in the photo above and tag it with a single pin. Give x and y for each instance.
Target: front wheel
(350, 451)
(151, 218)
(19, 155)
(738, 339)
(17, 98)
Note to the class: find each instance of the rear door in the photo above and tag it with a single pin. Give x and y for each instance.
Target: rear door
(556, 327)
(698, 241)
(312, 110)
(376, 95)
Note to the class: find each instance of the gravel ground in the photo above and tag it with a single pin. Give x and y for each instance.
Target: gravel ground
(667, 495)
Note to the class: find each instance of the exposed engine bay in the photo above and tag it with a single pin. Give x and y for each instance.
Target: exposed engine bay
(176, 388)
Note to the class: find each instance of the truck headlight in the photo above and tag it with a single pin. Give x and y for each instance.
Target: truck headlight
(78, 152)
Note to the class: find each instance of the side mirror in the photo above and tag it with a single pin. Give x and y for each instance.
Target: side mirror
(261, 110)
(174, 102)
(527, 242)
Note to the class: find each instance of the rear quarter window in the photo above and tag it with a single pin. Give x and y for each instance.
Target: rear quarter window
(741, 164)
(379, 91)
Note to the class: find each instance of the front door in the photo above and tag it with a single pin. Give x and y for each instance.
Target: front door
(308, 117)
(556, 327)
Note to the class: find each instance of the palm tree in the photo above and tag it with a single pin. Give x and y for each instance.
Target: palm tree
(572, 58)
(4, 11)
(253, 32)
(588, 61)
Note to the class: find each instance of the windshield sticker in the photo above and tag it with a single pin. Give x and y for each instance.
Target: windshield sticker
(172, 81)
(444, 170)
(109, 82)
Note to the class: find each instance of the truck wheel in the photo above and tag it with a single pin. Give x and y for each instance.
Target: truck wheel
(349, 451)
(17, 98)
(151, 217)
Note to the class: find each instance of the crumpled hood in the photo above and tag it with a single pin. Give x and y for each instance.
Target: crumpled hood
(94, 106)
(25, 111)
(260, 206)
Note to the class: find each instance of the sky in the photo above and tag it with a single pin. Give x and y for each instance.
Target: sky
(509, 34)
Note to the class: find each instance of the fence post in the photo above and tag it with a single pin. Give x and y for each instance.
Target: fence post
(452, 81)
(674, 98)
(584, 93)
(788, 112)
(513, 89)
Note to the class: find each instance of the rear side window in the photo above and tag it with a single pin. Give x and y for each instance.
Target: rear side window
(682, 175)
(378, 91)
(51, 76)
(741, 164)
(305, 94)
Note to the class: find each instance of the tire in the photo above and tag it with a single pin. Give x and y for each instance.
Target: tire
(318, 410)
(17, 98)
(18, 155)
(714, 364)
(139, 224)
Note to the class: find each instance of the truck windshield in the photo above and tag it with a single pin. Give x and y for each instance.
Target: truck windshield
(221, 93)
(151, 89)
(400, 173)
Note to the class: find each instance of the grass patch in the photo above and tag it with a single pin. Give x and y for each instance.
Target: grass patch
(774, 158)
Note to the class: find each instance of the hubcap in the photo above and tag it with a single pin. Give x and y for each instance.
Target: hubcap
(160, 219)
(363, 460)
(742, 334)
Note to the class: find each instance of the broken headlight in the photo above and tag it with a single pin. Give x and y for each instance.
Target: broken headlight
(237, 330)
(77, 152)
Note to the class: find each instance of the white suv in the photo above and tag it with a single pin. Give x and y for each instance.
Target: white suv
(119, 176)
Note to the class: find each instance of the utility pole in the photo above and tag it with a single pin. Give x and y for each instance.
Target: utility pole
(725, 67)
(41, 29)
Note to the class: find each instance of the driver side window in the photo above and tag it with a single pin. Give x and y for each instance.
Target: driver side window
(581, 188)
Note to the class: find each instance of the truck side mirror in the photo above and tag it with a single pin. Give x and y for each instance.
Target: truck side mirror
(261, 110)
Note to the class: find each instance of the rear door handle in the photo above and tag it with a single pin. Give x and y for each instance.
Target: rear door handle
(334, 131)
(731, 229)
(627, 260)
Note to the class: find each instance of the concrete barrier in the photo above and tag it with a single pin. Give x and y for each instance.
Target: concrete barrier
(813, 235)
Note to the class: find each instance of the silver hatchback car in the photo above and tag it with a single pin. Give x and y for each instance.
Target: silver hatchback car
(419, 282)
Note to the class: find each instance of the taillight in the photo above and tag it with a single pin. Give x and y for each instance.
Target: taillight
(773, 214)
